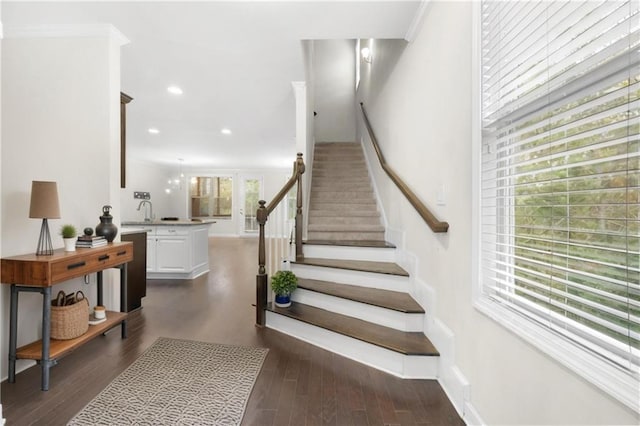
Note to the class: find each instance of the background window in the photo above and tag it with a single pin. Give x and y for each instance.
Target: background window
(211, 196)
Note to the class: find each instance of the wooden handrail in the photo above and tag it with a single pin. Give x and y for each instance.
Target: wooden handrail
(261, 216)
(435, 224)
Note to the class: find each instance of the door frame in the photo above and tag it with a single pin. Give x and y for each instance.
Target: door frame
(242, 178)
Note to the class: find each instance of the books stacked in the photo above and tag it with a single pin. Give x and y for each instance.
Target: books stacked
(91, 241)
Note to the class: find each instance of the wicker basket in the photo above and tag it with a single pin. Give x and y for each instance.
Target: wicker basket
(69, 322)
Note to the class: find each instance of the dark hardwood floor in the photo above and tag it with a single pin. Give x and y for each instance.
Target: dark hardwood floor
(299, 384)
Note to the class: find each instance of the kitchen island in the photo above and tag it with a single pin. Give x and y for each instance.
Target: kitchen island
(176, 249)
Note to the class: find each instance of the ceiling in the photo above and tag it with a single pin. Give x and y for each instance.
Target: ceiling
(234, 60)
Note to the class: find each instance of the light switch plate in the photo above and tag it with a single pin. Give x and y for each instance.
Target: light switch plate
(139, 195)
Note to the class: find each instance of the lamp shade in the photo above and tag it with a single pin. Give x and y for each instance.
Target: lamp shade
(44, 200)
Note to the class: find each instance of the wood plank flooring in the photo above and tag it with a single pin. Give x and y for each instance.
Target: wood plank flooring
(299, 384)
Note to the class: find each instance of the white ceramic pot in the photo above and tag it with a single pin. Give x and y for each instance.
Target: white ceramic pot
(69, 244)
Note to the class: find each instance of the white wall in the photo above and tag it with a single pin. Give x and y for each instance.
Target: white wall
(334, 90)
(420, 110)
(60, 122)
(152, 178)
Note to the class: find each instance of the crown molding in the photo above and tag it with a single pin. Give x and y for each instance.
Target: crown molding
(65, 30)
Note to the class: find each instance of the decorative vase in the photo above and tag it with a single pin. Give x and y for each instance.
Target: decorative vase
(106, 228)
(283, 300)
(69, 244)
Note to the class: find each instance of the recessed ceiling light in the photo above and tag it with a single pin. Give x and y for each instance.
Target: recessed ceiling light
(153, 131)
(174, 90)
(225, 131)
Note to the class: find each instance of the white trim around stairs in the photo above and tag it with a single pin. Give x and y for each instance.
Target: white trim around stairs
(368, 160)
(405, 366)
(450, 377)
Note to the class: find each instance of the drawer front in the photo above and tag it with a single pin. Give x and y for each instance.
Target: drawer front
(66, 269)
(172, 231)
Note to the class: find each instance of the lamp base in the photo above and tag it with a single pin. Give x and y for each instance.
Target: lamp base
(45, 248)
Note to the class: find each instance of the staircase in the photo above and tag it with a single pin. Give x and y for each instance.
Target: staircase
(342, 205)
(352, 298)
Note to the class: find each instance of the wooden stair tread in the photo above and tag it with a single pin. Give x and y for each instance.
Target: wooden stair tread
(351, 243)
(393, 300)
(407, 343)
(388, 268)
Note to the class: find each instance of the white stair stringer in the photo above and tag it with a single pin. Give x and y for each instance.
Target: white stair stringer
(375, 254)
(387, 317)
(351, 277)
(400, 365)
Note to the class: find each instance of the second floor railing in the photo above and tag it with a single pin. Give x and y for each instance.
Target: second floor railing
(262, 215)
(433, 223)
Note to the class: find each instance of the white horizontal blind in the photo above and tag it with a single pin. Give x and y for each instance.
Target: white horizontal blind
(561, 169)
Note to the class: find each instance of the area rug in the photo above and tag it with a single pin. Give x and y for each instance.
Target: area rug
(179, 382)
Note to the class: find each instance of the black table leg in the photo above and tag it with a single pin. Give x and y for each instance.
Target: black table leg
(99, 284)
(46, 336)
(123, 296)
(13, 333)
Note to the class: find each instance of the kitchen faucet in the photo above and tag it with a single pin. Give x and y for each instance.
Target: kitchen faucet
(150, 217)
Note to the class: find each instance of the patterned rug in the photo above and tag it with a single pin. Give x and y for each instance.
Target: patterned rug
(179, 382)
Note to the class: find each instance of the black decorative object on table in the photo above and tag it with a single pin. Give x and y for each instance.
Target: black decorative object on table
(88, 231)
(106, 228)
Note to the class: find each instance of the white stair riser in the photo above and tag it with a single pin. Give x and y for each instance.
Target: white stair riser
(359, 278)
(405, 366)
(352, 253)
(374, 314)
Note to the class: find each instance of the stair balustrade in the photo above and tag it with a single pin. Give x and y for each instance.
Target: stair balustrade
(264, 210)
(435, 224)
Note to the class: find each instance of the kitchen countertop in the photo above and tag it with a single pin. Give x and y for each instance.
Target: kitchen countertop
(158, 222)
(130, 230)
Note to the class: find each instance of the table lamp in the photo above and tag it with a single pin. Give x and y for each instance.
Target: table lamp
(44, 205)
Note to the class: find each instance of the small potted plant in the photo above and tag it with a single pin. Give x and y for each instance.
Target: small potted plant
(283, 283)
(69, 234)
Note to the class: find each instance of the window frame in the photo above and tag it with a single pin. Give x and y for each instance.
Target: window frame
(214, 176)
(611, 379)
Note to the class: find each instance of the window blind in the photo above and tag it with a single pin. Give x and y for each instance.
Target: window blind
(561, 169)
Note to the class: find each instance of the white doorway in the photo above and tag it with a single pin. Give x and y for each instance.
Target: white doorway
(251, 191)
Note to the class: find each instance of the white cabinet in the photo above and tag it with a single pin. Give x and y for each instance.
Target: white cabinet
(151, 253)
(200, 247)
(177, 251)
(172, 254)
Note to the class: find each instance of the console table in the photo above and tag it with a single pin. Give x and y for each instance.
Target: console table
(31, 273)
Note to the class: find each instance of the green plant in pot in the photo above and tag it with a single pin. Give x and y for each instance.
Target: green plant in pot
(69, 233)
(283, 283)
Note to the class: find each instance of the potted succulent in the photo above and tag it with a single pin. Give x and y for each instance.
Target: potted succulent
(69, 234)
(283, 283)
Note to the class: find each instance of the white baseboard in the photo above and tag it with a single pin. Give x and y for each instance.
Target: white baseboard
(450, 377)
